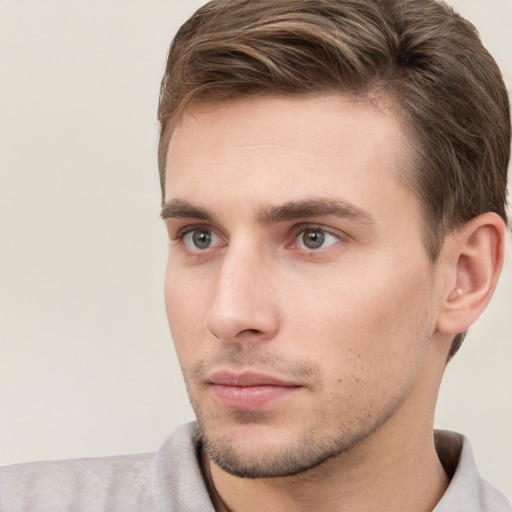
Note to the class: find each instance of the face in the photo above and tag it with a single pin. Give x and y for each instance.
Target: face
(298, 288)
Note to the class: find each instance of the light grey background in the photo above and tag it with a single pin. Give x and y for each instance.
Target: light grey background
(86, 360)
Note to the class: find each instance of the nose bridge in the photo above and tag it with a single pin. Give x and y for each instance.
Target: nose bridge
(243, 305)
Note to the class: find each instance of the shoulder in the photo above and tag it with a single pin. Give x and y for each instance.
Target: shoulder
(124, 483)
(467, 491)
(492, 499)
(77, 484)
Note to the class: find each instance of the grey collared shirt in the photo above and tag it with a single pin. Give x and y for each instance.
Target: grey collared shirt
(170, 480)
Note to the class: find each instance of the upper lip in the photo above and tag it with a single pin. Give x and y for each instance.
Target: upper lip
(247, 379)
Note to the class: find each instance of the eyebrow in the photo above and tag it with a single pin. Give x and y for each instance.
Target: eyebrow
(179, 209)
(315, 207)
(269, 214)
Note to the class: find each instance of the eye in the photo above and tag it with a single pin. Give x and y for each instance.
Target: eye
(315, 238)
(201, 239)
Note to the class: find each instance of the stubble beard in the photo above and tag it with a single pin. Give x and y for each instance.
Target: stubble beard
(291, 452)
(289, 459)
(297, 453)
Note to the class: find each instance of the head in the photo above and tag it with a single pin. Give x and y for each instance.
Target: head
(418, 56)
(413, 62)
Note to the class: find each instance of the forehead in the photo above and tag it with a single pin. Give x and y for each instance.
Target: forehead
(273, 113)
(276, 150)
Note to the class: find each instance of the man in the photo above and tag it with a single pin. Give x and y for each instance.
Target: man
(333, 184)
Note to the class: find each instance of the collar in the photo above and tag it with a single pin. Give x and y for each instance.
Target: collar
(182, 485)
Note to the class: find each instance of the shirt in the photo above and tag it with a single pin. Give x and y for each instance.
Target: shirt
(171, 480)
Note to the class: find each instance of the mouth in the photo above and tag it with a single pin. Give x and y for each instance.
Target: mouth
(248, 391)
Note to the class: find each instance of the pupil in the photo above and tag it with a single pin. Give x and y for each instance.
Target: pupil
(313, 239)
(201, 239)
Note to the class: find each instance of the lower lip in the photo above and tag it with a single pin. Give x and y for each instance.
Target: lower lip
(247, 398)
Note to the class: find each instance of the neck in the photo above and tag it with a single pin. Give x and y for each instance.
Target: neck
(398, 477)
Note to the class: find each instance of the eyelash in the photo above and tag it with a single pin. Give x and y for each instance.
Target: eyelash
(302, 228)
(294, 233)
(188, 229)
(183, 232)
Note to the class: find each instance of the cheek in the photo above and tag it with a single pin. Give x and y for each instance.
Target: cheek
(185, 307)
(370, 345)
(370, 325)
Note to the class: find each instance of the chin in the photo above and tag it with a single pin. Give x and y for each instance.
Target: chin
(249, 449)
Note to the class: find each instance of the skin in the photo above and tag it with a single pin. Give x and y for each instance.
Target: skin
(351, 326)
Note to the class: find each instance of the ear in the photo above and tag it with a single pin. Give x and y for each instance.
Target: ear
(473, 257)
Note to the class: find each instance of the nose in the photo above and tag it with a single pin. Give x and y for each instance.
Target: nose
(244, 305)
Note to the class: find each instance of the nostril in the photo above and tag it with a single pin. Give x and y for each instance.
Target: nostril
(249, 331)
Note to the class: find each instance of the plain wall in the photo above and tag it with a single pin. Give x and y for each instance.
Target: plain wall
(86, 360)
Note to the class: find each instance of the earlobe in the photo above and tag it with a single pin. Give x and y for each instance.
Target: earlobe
(474, 258)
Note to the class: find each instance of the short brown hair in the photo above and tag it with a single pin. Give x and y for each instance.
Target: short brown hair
(419, 54)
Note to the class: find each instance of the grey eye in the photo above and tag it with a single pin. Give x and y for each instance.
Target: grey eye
(201, 239)
(313, 238)
(198, 239)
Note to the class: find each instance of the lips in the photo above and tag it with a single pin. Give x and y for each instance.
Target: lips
(247, 379)
(248, 390)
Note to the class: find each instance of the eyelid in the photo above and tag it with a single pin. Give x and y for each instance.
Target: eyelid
(303, 226)
(298, 229)
(184, 230)
(182, 235)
